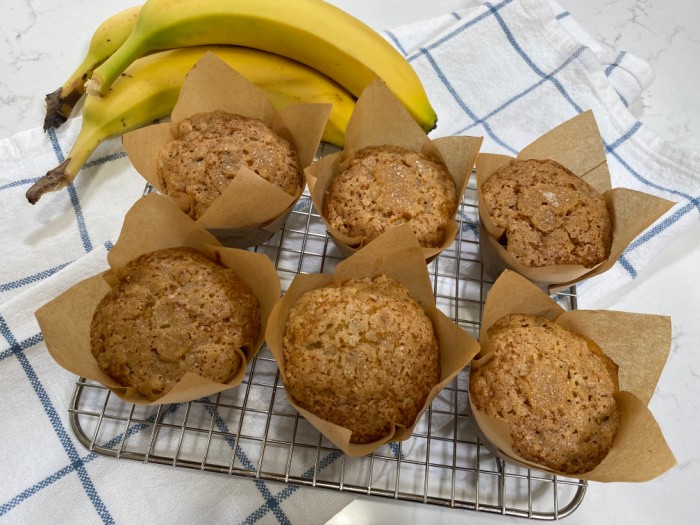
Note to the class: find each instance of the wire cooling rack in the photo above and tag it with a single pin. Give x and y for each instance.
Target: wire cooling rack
(252, 431)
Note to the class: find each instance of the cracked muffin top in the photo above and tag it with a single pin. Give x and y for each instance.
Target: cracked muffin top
(548, 214)
(555, 388)
(362, 354)
(211, 148)
(386, 186)
(174, 311)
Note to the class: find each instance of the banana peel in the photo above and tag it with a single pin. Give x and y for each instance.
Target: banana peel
(150, 87)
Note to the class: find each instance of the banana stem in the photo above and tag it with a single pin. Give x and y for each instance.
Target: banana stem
(61, 102)
(54, 180)
(63, 174)
(106, 40)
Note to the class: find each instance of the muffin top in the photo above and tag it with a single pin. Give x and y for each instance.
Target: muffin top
(550, 216)
(554, 388)
(210, 149)
(174, 311)
(386, 186)
(362, 354)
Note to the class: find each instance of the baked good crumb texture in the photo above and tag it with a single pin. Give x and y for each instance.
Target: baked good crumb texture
(211, 148)
(554, 388)
(386, 186)
(174, 311)
(362, 354)
(550, 216)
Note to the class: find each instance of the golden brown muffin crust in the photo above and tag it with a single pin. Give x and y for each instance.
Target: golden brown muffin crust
(550, 216)
(554, 388)
(174, 311)
(210, 149)
(386, 186)
(361, 355)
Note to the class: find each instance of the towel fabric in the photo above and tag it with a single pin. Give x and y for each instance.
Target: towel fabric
(509, 71)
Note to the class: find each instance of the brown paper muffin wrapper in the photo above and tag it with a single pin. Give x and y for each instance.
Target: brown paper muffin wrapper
(638, 343)
(251, 209)
(380, 119)
(396, 254)
(578, 146)
(153, 223)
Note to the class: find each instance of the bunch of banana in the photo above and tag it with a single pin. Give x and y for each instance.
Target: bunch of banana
(151, 85)
(333, 56)
(106, 40)
(313, 32)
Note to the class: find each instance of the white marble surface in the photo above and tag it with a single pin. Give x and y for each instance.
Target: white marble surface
(42, 40)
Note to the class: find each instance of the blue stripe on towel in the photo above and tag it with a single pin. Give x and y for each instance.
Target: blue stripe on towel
(260, 512)
(462, 104)
(609, 148)
(29, 279)
(425, 52)
(19, 347)
(663, 225)
(460, 29)
(270, 502)
(647, 182)
(517, 97)
(19, 183)
(624, 138)
(529, 61)
(82, 228)
(616, 63)
(624, 262)
(104, 160)
(396, 42)
(693, 202)
(57, 425)
(291, 489)
(468, 224)
(37, 487)
(56, 476)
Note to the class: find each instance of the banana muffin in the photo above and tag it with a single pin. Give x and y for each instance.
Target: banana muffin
(362, 354)
(386, 186)
(554, 388)
(173, 311)
(196, 167)
(550, 216)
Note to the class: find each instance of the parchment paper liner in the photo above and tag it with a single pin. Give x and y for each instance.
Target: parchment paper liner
(638, 343)
(379, 119)
(251, 209)
(397, 254)
(153, 223)
(577, 145)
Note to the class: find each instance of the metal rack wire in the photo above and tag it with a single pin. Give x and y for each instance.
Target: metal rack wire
(252, 431)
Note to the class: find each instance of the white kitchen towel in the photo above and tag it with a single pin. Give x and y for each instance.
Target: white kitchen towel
(513, 70)
(509, 71)
(39, 240)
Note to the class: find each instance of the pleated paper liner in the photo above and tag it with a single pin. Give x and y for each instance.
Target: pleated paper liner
(380, 119)
(577, 145)
(250, 210)
(395, 254)
(638, 343)
(153, 223)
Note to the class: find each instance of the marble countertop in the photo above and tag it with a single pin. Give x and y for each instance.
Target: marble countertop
(43, 39)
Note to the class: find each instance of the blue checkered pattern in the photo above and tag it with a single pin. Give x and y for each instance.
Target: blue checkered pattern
(508, 70)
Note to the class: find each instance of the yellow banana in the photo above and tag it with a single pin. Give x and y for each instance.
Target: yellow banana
(108, 37)
(310, 31)
(151, 85)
